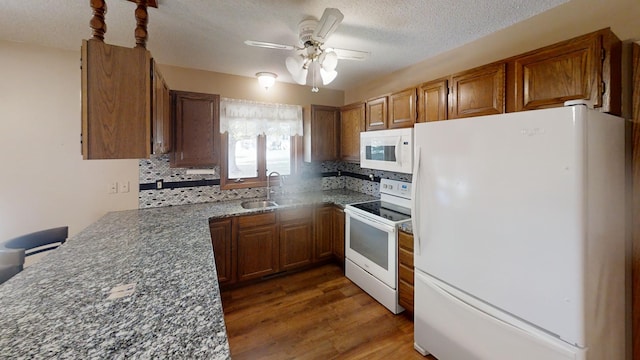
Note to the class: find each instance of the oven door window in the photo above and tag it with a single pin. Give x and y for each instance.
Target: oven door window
(381, 152)
(370, 242)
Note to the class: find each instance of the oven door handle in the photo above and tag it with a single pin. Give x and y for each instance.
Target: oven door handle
(371, 222)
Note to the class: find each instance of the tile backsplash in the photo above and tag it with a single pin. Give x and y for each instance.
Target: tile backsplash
(189, 188)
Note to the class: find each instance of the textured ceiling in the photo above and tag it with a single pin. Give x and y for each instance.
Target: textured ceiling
(209, 34)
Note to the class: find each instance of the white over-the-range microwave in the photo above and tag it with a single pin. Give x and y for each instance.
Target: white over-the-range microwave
(389, 150)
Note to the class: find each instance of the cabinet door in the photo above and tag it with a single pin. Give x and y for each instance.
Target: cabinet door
(321, 134)
(432, 101)
(161, 114)
(257, 252)
(478, 91)
(402, 109)
(116, 101)
(338, 234)
(323, 233)
(222, 240)
(405, 270)
(568, 71)
(351, 125)
(196, 119)
(296, 244)
(376, 114)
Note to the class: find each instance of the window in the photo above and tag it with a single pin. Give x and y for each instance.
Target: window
(258, 138)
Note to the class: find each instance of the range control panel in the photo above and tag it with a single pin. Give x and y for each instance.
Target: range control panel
(395, 188)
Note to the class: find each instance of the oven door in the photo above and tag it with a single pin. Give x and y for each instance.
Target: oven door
(371, 245)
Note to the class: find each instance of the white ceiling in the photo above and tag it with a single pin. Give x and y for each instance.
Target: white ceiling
(210, 34)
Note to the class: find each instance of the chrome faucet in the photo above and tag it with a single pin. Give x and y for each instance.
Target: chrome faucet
(269, 182)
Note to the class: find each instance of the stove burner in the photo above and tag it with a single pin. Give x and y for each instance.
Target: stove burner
(385, 210)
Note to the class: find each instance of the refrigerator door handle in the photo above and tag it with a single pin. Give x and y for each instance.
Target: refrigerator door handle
(415, 209)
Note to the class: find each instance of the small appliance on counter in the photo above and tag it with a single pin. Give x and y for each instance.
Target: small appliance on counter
(371, 241)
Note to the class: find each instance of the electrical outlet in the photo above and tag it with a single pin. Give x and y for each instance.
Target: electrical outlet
(113, 188)
(124, 186)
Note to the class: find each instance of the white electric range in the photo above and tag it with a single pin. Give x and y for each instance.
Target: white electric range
(371, 241)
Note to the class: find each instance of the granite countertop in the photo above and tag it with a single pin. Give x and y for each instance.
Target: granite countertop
(58, 307)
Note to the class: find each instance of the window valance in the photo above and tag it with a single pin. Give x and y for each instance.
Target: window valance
(253, 118)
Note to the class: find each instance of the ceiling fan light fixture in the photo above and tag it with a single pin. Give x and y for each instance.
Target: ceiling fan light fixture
(327, 76)
(329, 60)
(301, 77)
(295, 66)
(266, 79)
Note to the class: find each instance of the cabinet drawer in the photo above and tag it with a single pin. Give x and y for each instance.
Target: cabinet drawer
(405, 257)
(296, 214)
(405, 240)
(406, 274)
(257, 220)
(405, 295)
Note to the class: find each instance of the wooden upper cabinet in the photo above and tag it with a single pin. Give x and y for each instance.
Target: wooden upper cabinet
(376, 114)
(161, 114)
(351, 125)
(196, 121)
(432, 100)
(479, 91)
(321, 133)
(579, 68)
(402, 109)
(116, 101)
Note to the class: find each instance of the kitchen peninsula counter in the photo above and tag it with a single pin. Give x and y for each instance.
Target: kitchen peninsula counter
(59, 308)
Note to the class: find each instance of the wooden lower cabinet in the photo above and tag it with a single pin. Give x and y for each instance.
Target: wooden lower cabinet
(258, 246)
(323, 233)
(338, 234)
(405, 270)
(296, 238)
(253, 246)
(222, 241)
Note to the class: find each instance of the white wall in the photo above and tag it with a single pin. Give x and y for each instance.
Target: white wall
(43, 180)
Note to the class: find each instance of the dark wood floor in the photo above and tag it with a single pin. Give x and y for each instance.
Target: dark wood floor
(315, 314)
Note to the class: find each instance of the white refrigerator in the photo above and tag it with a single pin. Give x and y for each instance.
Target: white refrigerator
(518, 223)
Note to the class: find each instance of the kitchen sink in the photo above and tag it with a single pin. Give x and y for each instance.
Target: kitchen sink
(257, 204)
(287, 201)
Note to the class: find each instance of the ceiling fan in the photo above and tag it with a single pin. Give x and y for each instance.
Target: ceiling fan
(310, 52)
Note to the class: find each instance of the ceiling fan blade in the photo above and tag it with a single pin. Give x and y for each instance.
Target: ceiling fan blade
(329, 22)
(268, 45)
(344, 54)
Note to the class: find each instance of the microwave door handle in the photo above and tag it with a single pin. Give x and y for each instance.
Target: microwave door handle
(397, 150)
(415, 204)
